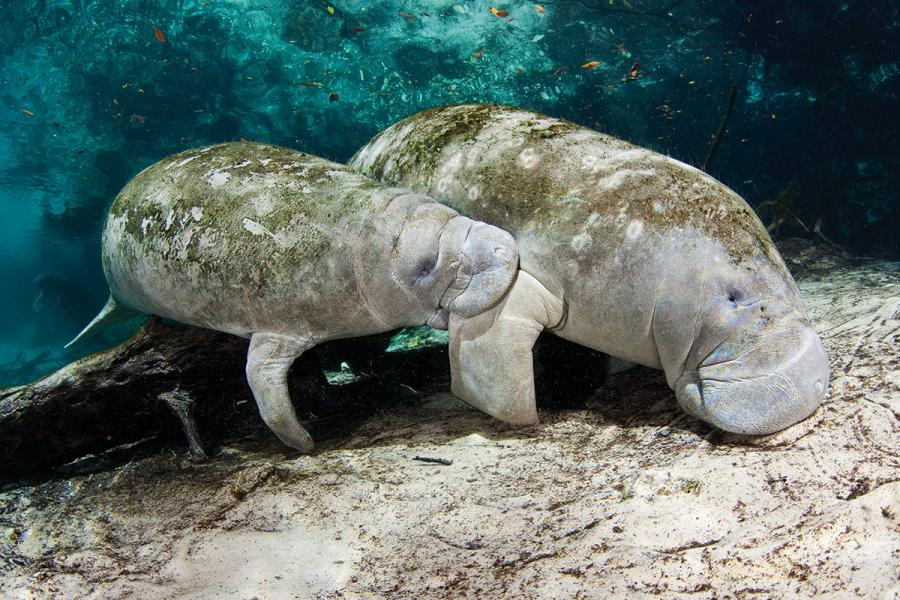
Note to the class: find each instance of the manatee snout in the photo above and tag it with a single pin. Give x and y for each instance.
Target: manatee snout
(489, 260)
(753, 394)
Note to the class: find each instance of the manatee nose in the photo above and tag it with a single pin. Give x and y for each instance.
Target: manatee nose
(759, 403)
(490, 260)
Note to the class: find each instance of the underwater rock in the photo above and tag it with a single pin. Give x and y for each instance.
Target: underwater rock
(625, 497)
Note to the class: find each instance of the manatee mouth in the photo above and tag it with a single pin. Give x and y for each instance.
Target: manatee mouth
(487, 267)
(735, 397)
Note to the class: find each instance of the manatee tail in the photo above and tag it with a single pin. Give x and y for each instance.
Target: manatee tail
(111, 313)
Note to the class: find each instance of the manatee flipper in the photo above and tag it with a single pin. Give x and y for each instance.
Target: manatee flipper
(110, 314)
(491, 364)
(268, 360)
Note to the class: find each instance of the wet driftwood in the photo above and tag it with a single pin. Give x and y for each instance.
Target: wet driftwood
(114, 397)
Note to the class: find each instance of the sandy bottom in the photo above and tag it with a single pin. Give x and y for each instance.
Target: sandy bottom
(625, 497)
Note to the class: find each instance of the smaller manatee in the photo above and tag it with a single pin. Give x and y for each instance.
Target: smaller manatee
(291, 250)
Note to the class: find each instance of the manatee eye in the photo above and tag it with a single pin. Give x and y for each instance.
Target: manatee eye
(734, 296)
(426, 268)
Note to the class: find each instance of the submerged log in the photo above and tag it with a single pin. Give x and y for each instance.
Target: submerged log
(113, 397)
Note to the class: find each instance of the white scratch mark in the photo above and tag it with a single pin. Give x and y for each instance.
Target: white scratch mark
(255, 228)
(185, 161)
(444, 184)
(614, 181)
(262, 204)
(218, 179)
(528, 158)
(634, 229)
(581, 241)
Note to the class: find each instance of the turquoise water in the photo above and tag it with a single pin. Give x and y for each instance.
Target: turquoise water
(94, 91)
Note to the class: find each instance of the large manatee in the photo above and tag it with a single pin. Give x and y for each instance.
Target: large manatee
(621, 249)
(291, 250)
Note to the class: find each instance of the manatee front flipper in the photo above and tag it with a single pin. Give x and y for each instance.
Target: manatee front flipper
(491, 365)
(268, 360)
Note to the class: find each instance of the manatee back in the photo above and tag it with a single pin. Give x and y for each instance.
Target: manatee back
(547, 179)
(238, 237)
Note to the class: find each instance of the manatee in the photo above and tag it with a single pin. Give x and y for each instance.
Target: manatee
(291, 250)
(621, 249)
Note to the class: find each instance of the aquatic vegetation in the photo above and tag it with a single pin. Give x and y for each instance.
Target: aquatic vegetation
(94, 91)
(779, 210)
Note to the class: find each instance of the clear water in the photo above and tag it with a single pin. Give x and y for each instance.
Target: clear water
(91, 94)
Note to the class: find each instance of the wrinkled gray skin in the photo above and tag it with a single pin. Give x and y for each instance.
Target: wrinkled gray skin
(292, 250)
(621, 249)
